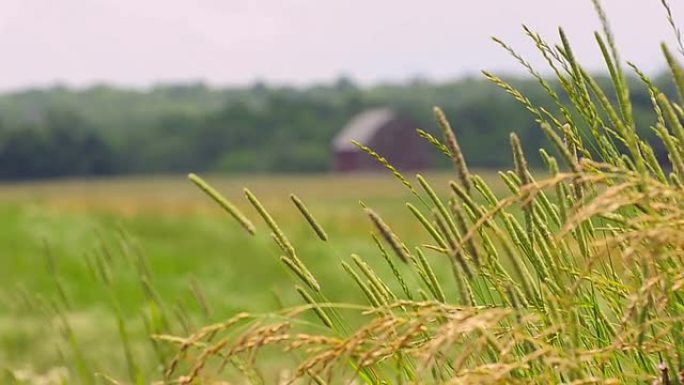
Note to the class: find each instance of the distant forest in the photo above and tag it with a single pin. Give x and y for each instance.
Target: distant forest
(178, 128)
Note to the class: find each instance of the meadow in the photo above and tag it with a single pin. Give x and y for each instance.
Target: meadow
(573, 275)
(57, 229)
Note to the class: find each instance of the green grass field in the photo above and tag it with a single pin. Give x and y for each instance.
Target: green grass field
(574, 277)
(186, 239)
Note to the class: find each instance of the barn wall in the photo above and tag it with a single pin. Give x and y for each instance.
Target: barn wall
(399, 143)
(346, 161)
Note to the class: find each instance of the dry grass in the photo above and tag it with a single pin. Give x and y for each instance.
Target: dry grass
(173, 195)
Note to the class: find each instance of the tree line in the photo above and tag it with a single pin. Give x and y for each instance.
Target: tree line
(105, 130)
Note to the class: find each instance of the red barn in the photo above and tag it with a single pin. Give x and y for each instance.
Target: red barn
(388, 133)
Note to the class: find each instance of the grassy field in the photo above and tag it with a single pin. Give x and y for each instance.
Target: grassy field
(574, 278)
(186, 241)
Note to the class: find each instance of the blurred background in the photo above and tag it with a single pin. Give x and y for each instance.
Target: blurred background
(111, 87)
(106, 105)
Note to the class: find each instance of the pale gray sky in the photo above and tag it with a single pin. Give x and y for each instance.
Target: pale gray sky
(141, 42)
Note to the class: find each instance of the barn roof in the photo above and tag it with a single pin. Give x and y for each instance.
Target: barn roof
(362, 128)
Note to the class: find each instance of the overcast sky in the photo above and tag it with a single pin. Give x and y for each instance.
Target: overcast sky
(235, 42)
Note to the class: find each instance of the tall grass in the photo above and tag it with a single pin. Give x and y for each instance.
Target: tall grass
(574, 277)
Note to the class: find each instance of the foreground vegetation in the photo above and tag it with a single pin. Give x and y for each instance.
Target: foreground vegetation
(583, 287)
(570, 277)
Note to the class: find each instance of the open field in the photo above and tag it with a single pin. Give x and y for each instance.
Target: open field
(185, 240)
